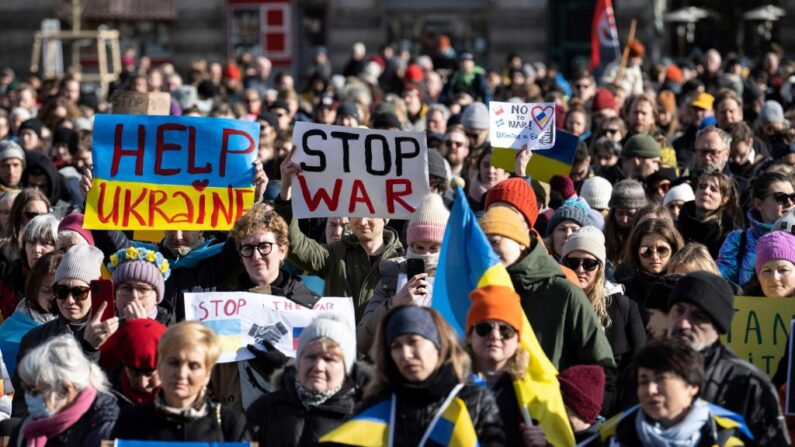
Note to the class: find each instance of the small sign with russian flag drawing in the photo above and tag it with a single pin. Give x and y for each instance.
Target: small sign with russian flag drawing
(516, 125)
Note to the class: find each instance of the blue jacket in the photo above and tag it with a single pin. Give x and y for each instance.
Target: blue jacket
(731, 266)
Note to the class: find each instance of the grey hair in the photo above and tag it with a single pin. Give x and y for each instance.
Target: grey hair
(59, 361)
(725, 137)
(439, 108)
(41, 228)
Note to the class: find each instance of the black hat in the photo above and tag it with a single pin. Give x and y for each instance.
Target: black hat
(206, 89)
(88, 99)
(67, 136)
(348, 108)
(280, 104)
(33, 124)
(269, 118)
(708, 291)
(436, 166)
(660, 290)
(386, 120)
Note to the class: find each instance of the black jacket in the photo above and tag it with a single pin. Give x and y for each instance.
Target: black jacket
(89, 431)
(738, 386)
(710, 233)
(281, 419)
(147, 422)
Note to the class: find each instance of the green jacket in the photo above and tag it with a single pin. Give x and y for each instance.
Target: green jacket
(344, 265)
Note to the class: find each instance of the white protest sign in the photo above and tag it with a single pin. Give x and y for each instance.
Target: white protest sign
(243, 318)
(357, 172)
(515, 125)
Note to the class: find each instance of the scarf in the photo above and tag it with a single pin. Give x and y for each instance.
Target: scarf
(434, 388)
(431, 260)
(684, 434)
(135, 395)
(198, 410)
(38, 431)
(313, 398)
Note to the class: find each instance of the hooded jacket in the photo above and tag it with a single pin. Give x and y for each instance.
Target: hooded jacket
(737, 262)
(37, 161)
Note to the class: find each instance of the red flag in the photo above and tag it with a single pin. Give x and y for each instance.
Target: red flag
(604, 37)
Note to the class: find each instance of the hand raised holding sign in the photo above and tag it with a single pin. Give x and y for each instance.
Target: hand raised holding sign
(522, 159)
(85, 182)
(98, 331)
(260, 180)
(288, 170)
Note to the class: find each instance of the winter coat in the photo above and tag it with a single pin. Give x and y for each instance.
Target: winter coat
(636, 287)
(508, 405)
(561, 315)
(280, 418)
(626, 333)
(149, 422)
(89, 431)
(378, 305)
(737, 257)
(12, 286)
(15, 327)
(346, 267)
(711, 233)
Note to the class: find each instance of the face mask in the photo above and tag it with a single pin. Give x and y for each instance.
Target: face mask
(36, 407)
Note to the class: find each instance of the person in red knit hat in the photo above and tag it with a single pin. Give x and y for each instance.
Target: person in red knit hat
(583, 390)
(137, 382)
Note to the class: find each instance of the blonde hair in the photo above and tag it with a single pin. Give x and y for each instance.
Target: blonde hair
(516, 366)
(695, 257)
(190, 334)
(600, 301)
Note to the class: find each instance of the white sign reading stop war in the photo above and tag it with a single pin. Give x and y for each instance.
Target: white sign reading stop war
(516, 125)
(357, 172)
(242, 318)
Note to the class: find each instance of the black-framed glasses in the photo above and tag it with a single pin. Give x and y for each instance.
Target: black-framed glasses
(648, 252)
(61, 292)
(588, 265)
(264, 249)
(484, 329)
(782, 197)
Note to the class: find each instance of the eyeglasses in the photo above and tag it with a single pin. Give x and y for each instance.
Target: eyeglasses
(611, 131)
(62, 292)
(782, 197)
(127, 290)
(588, 265)
(648, 252)
(264, 249)
(484, 329)
(454, 143)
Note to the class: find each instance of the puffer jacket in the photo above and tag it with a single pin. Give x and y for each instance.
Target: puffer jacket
(737, 258)
(346, 267)
(280, 418)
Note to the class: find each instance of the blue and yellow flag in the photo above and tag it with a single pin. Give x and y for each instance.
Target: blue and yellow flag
(467, 262)
(545, 163)
(369, 428)
(454, 427)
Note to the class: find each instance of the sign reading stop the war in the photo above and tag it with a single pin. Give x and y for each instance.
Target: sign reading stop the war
(358, 172)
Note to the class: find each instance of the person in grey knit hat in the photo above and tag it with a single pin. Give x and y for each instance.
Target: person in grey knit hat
(475, 119)
(567, 220)
(334, 328)
(10, 177)
(596, 191)
(627, 198)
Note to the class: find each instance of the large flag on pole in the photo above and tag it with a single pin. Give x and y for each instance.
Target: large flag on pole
(467, 262)
(604, 36)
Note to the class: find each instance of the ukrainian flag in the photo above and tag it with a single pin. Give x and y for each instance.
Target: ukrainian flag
(369, 428)
(454, 428)
(228, 332)
(545, 163)
(467, 262)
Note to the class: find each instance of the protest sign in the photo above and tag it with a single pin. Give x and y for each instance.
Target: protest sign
(358, 172)
(134, 103)
(170, 172)
(516, 125)
(790, 400)
(760, 329)
(544, 164)
(243, 318)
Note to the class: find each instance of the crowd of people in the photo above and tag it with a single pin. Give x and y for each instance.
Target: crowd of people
(680, 197)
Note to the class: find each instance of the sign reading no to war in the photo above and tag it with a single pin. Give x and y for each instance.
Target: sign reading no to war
(516, 125)
(169, 172)
(358, 172)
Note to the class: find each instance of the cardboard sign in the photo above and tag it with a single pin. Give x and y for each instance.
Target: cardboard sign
(760, 329)
(358, 172)
(134, 103)
(544, 164)
(515, 125)
(170, 172)
(242, 318)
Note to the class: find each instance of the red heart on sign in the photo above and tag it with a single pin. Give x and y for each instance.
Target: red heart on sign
(200, 185)
(542, 115)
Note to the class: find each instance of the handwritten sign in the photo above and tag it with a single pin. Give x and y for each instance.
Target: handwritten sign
(760, 329)
(134, 103)
(358, 172)
(242, 318)
(516, 125)
(168, 172)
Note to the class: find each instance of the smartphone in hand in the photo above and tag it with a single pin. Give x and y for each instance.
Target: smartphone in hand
(414, 267)
(102, 292)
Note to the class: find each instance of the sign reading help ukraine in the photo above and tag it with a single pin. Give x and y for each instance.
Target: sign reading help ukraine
(170, 172)
(242, 318)
(516, 125)
(358, 172)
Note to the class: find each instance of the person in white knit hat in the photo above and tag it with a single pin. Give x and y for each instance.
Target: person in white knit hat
(676, 197)
(424, 237)
(596, 191)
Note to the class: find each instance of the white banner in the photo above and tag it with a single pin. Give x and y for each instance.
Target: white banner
(349, 172)
(243, 318)
(516, 125)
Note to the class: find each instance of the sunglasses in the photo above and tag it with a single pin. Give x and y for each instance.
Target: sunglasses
(454, 143)
(588, 265)
(264, 249)
(648, 252)
(62, 292)
(611, 131)
(484, 329)
(30, 215)
(781, 197)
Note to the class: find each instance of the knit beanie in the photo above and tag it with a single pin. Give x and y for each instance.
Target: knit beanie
(428, 221)
(582, 388)
(475, 116)
(505, 222)
(495, 303)
(10, 149)
(708, 291)
(683, 192)
(140, 264)
(81, 262)
(386, 120)
(659, 291)
(138, 343)
(775, 245)
(337, 329)
(568, 211)
(641, 145)
(590, 240)
(33, 124)
(603, 99)
(563, 185)
(405, 320)
(436, 166)
(785, 222)
(74, 222)
(628, 194)
(667, 100)
(517, 193)
(771, 112)
(596, 192)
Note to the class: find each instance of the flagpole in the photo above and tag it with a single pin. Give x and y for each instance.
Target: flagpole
(625, 54)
